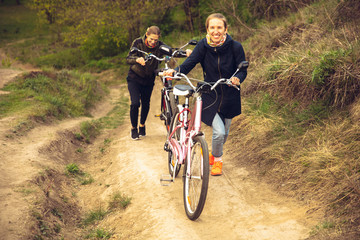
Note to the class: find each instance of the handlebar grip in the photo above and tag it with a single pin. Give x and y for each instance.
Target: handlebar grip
(161, 74)
(181, 53)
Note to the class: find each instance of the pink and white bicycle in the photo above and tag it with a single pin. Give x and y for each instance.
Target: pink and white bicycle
(187, 146)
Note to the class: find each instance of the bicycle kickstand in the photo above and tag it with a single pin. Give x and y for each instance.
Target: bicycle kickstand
(166, 180)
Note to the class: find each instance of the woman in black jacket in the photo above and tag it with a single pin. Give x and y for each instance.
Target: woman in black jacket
(219, 56)
(141, 78)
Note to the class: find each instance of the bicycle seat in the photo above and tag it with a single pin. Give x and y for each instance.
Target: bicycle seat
(183, 90)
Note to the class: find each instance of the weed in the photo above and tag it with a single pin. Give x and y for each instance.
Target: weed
(78, 136)
(93, 216)
(57, 228)
(57, 213)
(119, 200)
(83, 177)
(6, 62)
(99, 234)
(326, 225)
(326, 66)
(72, 168)
(90, 129)
(86, 179)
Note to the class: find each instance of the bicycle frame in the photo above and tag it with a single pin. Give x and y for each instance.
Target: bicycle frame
(188, 129)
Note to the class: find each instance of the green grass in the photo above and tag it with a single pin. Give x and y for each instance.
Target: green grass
(19, 22)
(119, 200)
(99, 233)
(46, 95)
(94, 216)
(73, 170)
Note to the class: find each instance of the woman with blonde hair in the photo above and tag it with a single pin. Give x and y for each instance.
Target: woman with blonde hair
(219, 56)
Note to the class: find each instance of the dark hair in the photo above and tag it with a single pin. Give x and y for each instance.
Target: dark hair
(153, 30)
(216, 15)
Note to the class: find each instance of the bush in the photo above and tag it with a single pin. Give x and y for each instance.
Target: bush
(107, 42)
(68, 58)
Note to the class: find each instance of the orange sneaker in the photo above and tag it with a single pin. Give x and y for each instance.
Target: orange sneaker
(217, 169)
(211, 159)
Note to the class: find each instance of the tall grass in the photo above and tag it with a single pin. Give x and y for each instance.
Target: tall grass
(302, 101)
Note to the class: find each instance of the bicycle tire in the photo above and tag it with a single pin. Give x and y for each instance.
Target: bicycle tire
(165, 111)
(196, 184)
(171, 157)
(162, 106)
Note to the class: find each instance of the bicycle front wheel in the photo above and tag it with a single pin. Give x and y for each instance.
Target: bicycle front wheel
(196, 182)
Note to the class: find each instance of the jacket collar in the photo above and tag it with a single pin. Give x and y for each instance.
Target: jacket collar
(221, 48)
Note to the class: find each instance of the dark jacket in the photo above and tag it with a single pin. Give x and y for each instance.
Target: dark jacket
(218, 62)
(143, 74)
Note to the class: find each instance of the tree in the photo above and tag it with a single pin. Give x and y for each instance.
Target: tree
(190, 8)
(101, 27)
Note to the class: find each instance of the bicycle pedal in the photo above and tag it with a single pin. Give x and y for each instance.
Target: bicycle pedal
(166, 180)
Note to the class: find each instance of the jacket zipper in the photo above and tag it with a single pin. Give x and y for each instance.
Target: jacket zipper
(220, 84)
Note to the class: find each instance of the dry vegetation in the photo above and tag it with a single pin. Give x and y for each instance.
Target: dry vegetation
(302, 111)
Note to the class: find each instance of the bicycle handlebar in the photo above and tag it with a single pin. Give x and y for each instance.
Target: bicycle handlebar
(168, 51)
(242, 66)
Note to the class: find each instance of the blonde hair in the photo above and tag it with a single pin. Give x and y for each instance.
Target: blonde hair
(153, 30)
(216, 15)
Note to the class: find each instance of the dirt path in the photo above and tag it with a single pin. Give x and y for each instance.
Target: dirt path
(237, 206)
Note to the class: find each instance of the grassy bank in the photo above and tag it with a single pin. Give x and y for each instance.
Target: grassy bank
(300, 128)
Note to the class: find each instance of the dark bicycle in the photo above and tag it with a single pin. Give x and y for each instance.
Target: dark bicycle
(168, 105)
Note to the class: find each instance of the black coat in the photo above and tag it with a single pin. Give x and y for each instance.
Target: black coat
(144, 75)
(218, 62)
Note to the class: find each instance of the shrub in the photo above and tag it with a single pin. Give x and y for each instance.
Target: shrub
(106, 42)
(68, 58)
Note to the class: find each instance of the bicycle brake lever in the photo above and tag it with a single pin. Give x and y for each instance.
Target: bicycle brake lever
(229, 83)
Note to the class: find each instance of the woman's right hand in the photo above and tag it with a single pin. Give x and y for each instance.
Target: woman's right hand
(141, 61)
(169, 72)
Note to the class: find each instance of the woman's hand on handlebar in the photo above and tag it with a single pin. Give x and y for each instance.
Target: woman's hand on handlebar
(141, 61)
(169, 72)
(235, 81)
(188, 52)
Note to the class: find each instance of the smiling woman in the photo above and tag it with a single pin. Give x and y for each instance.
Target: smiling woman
(219, 56)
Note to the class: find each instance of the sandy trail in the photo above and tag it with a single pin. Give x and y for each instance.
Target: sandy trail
(237, 206)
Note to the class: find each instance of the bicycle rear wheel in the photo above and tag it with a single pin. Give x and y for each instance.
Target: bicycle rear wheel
(165, 111)
(197, 181)
(174, 101)
(171, 158)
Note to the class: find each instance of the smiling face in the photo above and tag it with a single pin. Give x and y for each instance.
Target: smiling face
(152, 39)
(216, 29)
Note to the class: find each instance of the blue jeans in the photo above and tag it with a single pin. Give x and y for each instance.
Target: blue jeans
(220, 134)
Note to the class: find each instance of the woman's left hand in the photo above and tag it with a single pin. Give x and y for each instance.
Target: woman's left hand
(235, 81)
(188, 52)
